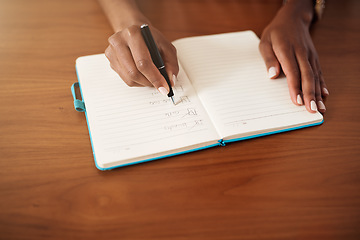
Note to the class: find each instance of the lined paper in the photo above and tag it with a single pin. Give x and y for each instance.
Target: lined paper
(128, 123)
(230, 78)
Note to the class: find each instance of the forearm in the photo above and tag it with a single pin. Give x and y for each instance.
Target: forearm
(122, 13)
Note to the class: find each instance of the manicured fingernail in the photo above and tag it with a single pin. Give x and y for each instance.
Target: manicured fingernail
(163, 91)
(313, 105)
(174, 79)
(272, 72)
(299, 100)
(325, 91)
(321, 105)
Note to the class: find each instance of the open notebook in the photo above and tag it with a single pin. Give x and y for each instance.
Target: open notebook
(222, 95)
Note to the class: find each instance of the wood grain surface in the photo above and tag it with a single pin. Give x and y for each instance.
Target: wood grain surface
(298, 185)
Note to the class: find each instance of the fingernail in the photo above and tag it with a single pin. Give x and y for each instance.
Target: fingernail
(313, 105)
(163, 91)
(272, 72)
(321, 105)
(174, 79)
(325, 91)
(299, 100)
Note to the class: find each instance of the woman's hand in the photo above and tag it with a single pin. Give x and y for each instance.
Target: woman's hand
(127, 51)
(130, 58)
(286, 43)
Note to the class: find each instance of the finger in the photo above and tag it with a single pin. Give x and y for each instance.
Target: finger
(308, 81)
(271, 62)
(126, 68)
(319, 101)
(318, 94)
(129, 68)
(144, 63)
(290, 67)
(116, 66)
(169, 56)
(324, 89)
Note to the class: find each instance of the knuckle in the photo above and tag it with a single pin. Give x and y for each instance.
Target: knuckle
(108, 52)
(283, 48)
(314, 55)
(173, 49)
(114, 40)
(302, 50)
(267, 53)
(111, 39)
(112, 66)
(310, 93)
(133, 74)
(130, 83)
(142, 64)
(176, 69)
(131, 31)
(318, 95)
(265, 48)
(296, 73)
(118, 71)
(155, 82)
(321, 76)
(322, 81)
(316, 77)
(320, 72)
(269, 59)
(311, 76)
(263, 45)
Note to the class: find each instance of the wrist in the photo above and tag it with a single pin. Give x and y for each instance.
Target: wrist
(123, 21)
(303, 9)
(123, 13)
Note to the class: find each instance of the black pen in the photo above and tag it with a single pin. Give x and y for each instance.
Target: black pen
(156, 57)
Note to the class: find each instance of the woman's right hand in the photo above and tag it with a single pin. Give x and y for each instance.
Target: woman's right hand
(130, 58)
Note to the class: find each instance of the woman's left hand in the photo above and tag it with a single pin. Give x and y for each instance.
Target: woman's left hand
(286, 43)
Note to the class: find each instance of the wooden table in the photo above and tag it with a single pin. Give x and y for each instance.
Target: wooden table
(298, 185)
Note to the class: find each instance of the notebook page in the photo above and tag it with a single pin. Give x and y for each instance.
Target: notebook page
(128, 124)
(230, 78)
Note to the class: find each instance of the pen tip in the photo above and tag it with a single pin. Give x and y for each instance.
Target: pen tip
(172, 99)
